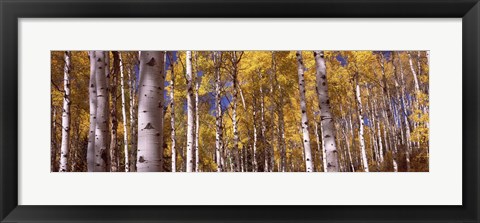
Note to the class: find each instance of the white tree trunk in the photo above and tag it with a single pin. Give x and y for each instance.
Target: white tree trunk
(326, 118)
(303, 107)
(197, 126)
(150, 112)
(218, 113)
(404, 114)
(281, 121)
(414, 73)
(361, 124)
(190, 113)
(353, 137)
(379, 135)
(65, 113)
(124, 116)
(320, 149)
(234, 115)
(263, 126)
(133, 135)
(93, 110)
(255, 135)
(172, 112)
(101, 127)
(113, 113)
(53, 143)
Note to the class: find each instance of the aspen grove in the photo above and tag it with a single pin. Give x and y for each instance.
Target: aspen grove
(239, 111)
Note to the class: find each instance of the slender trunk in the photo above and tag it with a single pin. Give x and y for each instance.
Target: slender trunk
(320, 148)
(101, 126)
(218, 113)
(404, 112)
(388, 115)
(124, 116)
(190, 112)
(66, 113)
(350, 124)
(379, 136)
(281, 121)
(234, 115)
(361, 124)
(326, 118)
(414, 73)
(263, 126)
(150, 112)
(303, 108)
(113, 113)
(348, 151)
(53, 139)
(133, 128)
(93, 110)
(197, 126)
(255, 135)
(373, 139)
(172, 112)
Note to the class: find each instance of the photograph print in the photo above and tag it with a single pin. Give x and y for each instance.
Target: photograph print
(239, 111)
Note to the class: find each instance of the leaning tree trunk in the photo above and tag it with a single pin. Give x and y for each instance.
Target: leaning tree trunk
(172, 112)
(150, 112)
(361, 124)
(124, 116)
(303, 107)
(326, 118)
(65, 113)
(190, 113)
(414, 73)
(94, 64)
(101, 126)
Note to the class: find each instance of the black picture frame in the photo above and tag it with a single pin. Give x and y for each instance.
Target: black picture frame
(11, 11)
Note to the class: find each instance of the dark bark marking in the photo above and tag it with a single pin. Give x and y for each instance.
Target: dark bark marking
(151, 62)
(149, 126)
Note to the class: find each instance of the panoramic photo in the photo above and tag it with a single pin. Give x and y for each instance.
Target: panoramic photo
(239, 111)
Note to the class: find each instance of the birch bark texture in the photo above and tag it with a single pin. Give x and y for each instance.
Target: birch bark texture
(92, 94)
(66, 112)
(150, 112)
(114, 159)
(190, 112)
(217, 59)
(124, 116)
(361, 136)
(234, 111)
(326, 118)
(197, 81)
(101, 126)
(172, 112)
(303, 108)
